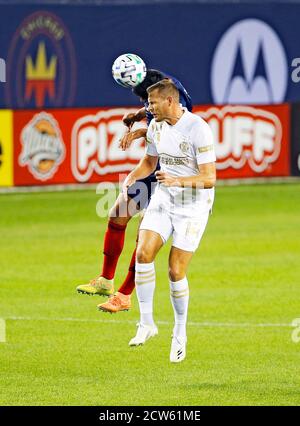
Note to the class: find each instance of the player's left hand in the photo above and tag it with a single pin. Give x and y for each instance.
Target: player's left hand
(129, 137)
(166, 179)
(126, 140)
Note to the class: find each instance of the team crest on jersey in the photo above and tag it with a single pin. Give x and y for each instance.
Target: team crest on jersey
(184, 146)
(43, 149)
(41, 64)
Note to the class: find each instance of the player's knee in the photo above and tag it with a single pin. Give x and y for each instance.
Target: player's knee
(119, 212)
(176, 273)
(119, 220)
(116, 216)
(144, 255)
(113, 213)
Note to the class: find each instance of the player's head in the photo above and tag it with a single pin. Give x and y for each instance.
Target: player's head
(163, 99)
(152, 77)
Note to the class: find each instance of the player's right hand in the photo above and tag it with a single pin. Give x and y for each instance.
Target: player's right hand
(130, 180)
(129, 119)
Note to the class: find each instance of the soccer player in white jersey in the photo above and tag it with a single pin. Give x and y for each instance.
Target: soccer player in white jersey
(180, 206)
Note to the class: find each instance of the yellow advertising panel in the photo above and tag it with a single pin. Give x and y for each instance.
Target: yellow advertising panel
(6, 148)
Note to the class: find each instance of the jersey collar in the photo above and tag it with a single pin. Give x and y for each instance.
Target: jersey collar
(181, 119)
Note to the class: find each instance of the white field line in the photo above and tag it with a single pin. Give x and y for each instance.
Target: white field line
(116, 321)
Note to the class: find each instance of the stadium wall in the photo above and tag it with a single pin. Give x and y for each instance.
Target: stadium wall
(67, 146)
(61, 55)
(60, 117)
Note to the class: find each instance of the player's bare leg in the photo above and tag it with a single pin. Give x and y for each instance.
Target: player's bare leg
(148, 246)
(119, 216)
(179, 261)
(179, 294)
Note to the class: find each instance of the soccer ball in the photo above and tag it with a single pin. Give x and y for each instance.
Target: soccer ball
(129, 70)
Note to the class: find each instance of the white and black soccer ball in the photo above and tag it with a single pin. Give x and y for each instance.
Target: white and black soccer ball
(129, 70)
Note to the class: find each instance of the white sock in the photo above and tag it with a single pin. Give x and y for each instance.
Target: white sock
(145, 285)
(179, 294)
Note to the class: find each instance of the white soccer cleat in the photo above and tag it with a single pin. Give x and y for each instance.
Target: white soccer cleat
(144, 333)
(178, 349)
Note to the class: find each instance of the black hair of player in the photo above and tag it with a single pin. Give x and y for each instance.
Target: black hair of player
(152, 77)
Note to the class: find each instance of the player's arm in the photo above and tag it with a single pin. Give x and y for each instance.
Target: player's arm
(129, 137)
(205, 179)
(146, 166)
(131, 118)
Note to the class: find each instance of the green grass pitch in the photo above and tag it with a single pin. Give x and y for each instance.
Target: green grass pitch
(245, 292)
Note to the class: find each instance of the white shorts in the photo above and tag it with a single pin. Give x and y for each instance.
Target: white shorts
(187, 231)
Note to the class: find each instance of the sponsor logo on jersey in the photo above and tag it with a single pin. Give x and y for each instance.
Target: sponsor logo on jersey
(95, 145)
(43, 148)
(249, 65)
(244, 134)
(173, 161)
(41, 64)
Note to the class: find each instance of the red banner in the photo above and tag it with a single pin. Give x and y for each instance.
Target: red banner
(250, 141)
(81, 145)
(71, 146)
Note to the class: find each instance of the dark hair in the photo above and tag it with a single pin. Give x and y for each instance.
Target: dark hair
(152, 77)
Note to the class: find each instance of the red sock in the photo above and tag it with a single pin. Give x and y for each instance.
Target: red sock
(128, 285)
(113, 246)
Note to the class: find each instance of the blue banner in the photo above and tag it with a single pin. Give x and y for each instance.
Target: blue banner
(61, 56)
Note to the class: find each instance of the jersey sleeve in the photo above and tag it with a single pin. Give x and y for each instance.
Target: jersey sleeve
(203, 142)
(151, 148)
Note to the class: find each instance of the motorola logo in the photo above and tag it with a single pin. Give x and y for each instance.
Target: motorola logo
(2, 71)
(249, 65)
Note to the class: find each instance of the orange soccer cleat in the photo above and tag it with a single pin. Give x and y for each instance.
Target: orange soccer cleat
(116, 303)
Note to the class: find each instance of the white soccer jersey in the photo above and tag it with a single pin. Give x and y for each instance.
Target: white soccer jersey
(180, 149)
